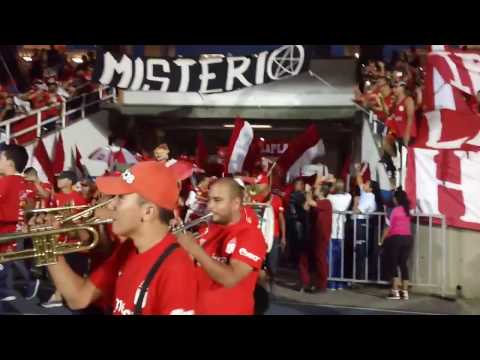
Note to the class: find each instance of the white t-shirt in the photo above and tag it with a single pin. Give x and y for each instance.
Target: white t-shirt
(340, 202)
(366, 204)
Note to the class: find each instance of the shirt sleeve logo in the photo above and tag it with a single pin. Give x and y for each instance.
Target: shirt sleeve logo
(232, 244)
(249, 255)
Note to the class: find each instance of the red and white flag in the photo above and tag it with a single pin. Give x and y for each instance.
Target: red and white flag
(443, 166)
(254, 155)
(451, 84)
(242, 137)
(58, 155)
(300, 152)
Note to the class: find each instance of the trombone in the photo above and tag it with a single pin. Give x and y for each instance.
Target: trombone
(46, 248)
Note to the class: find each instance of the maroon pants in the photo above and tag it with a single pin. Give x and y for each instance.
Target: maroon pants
(320, 258)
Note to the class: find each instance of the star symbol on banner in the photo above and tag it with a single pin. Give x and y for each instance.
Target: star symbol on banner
(288, 60)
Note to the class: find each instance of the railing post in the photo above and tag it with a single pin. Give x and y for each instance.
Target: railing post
(83, 106)
(114, 93)
(7, 133)
(64, 116)
(444, 257)
(39, 124)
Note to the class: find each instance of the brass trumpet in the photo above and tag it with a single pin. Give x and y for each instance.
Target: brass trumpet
(46, 248)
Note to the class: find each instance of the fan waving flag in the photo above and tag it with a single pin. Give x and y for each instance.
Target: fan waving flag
(300, 152)
(238, 147)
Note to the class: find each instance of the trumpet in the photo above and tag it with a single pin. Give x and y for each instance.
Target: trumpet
(183, 228)
(46, 247)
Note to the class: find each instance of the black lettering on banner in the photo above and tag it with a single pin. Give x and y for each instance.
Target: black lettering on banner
(206, 75)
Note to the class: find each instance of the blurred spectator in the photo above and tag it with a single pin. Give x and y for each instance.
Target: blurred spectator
(340, 202)
(296, 221)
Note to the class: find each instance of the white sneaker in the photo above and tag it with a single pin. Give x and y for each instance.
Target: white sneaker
(404, 294)
(52, 303)
(8, 298)
(394, 295)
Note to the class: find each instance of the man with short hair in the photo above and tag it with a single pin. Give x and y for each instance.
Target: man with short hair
(141, 214)
(14, 198)
(231, 257)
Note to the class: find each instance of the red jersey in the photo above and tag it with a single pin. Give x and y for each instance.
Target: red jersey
(242, 242)
(13, 196)
(172, 291)
(278, 208)
(399, 123)
(389, 102)
(71, 199)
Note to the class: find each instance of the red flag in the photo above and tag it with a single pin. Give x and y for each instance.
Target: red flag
(42, 156)
(58, 155)
(242, 137)
(78, 163)
(202, 152)
(301, 151)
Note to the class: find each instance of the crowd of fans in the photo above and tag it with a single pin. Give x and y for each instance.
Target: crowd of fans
(54, 79)
(393, 92)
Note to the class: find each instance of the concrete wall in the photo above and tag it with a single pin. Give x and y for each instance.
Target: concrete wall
(462, 261)
(88, 134)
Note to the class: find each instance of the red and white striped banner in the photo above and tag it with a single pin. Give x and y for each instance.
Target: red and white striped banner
(443, 166)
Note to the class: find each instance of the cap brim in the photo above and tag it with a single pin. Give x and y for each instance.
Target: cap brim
(113, 185)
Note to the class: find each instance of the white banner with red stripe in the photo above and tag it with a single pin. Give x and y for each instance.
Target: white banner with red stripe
(242, 137)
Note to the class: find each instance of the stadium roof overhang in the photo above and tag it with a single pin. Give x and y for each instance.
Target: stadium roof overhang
(323, 93)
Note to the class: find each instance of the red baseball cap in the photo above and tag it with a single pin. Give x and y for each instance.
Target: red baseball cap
(150, 179)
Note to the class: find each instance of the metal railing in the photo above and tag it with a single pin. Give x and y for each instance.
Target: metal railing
(104, 94)
(361, 258)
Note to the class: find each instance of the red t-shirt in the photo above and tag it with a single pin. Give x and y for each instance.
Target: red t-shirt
(13, 195)
(399, 122)
(242, 242)
(71, 199)
(277, 206)
(389, 101)
(173, 290)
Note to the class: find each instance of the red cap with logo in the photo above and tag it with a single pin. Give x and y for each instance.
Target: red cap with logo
(150, 179)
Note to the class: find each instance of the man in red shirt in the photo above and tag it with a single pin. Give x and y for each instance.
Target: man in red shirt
(231, 257)
(43, 190)
(14, 198)
(141, 212)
